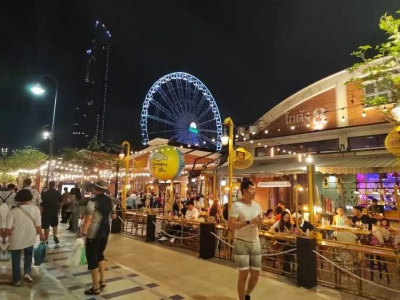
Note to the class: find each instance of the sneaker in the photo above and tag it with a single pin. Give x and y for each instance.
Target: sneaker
(18, 283)
(56, 240)
(163, 239)
(28, 278)
(172, 240)
(247, 297)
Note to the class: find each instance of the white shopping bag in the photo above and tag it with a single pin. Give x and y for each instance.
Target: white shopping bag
(75, 257)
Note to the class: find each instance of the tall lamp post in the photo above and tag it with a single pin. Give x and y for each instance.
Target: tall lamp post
(126, 181)
(38, 90)
(225, 140)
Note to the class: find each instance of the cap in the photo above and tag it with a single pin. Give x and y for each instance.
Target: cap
(296, 216)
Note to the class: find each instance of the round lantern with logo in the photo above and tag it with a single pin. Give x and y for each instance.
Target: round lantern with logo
(166, 163)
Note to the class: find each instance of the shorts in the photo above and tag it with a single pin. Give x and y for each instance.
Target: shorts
(95, 252)
(49, 221)
(247, 255)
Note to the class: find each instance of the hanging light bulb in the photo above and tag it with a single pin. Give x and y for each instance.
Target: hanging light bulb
(364, 114)
(308, 124)
(384, 109)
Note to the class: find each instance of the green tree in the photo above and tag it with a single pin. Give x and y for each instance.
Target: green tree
(382, 65)
(27, 158)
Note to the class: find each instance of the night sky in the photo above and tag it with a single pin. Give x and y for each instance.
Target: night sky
(250, 54)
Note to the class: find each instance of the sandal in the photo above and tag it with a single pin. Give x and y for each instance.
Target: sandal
(92, 291)
(102, 284)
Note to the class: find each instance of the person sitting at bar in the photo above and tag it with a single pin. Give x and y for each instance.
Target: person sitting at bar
(283, 225)
(269, 214)
(374, 208)
(278, 212)
(340, 219)
(359, 218)
(304, 225)
(192, 213)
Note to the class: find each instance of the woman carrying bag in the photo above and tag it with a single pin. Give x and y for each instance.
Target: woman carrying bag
(23, 225)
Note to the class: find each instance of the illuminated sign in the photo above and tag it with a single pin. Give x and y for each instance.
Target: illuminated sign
(193, 128)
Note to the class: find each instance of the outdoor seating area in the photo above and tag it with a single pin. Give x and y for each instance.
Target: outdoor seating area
(342, 261)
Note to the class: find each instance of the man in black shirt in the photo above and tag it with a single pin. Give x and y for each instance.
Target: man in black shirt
(359, 217)
(303, 224)
(50, 206)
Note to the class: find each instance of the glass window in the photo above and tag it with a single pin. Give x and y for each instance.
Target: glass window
(367, 142)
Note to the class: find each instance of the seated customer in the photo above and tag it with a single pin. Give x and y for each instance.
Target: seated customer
(359, 217)
(304, 225)
(283, 225)
(374, 208)
(192, 212)
(340, 219)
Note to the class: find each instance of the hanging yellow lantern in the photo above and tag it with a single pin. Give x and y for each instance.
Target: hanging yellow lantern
(166, 163)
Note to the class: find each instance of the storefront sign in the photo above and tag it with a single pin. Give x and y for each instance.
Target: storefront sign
(316, 117)
(270, 184)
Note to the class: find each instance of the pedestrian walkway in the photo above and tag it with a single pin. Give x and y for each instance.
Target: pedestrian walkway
(55, 280)
(143, 271)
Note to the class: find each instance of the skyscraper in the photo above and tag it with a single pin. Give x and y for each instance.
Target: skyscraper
(90, 111)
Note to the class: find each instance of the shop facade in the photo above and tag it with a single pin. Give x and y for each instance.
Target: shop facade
(327, 123)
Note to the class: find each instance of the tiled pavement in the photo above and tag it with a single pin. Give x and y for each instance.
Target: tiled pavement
(55, 280)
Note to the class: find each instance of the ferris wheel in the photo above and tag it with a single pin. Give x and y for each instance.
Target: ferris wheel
(180, 108)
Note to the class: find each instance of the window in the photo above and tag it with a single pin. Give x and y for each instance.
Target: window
(374, 89)
(261, 151)
(325, 146)
(367, 142)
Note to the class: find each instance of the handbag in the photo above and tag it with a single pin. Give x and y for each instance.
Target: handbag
(39, 253)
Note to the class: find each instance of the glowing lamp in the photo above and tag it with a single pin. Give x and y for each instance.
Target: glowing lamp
(396, 111)
(225, 139)
(37, 89)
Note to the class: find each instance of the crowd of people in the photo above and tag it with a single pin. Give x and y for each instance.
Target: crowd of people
(26, 214)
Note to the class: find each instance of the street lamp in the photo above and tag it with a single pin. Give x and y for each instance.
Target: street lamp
(46, 134)
(225, 140)
(126, 181)
(38, 90)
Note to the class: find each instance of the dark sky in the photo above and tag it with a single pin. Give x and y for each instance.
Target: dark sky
(250, 54)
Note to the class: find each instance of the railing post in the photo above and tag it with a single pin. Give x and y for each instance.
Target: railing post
(151, 228)
(207, 240)
(306, 262)
(116, 224)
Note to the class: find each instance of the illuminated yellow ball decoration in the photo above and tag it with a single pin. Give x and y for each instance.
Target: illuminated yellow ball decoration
(166, 163)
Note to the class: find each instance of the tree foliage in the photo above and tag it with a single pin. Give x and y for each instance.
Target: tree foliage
(27, 158)
(382, 66)
(90, 159)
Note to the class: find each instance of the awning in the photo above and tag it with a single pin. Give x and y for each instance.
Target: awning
(324, 164)
(354, 165)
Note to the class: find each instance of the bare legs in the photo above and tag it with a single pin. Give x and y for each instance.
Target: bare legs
(241, 285)
(102, 270)
(252, 281)
(95, 278)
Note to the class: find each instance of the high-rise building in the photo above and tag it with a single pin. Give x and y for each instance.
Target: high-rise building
(90, 111)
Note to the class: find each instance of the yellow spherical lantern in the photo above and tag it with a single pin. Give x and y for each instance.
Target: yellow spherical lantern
(166, 163)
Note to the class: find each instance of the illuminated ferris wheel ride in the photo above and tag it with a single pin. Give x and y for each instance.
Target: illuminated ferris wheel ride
(180, 108)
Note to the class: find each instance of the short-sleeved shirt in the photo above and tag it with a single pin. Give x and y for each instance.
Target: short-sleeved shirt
(101, 208)
(192, 214)
(363, 219)
(24, 230)
(7, 200)
(36, 196)
(246, 212)
(51, 201)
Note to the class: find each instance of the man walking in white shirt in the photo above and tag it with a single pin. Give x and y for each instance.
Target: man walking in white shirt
(244, 217)
(26, 185)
